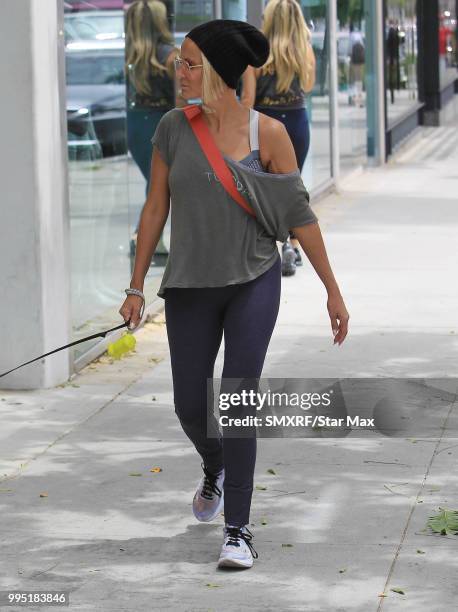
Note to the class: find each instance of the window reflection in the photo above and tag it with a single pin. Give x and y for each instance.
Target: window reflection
(190, 13)
(234, 9)
(351, 94)
(317, 167)
(318, 164)
(106, 187)
(401, 57)
(447, 42)
(92, 24)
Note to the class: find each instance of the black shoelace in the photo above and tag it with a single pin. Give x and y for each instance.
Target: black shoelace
(236, 533)
(210, 487)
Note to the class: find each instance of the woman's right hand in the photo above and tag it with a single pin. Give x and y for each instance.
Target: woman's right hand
(131, 310)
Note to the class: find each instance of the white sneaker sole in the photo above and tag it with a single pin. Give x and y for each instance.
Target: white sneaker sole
(234, 562)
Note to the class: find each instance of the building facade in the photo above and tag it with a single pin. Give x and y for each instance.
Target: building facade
(72, 192)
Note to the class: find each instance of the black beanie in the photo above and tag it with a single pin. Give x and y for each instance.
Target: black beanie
(230, 46)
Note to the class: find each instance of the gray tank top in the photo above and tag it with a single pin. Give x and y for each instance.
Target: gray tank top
(253, 159)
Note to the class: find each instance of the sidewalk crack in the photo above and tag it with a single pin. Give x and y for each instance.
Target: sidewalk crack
(415, 503)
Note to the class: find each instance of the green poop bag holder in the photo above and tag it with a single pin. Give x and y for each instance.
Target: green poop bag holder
(115, 349)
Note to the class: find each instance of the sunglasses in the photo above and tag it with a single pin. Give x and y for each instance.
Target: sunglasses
(181, 63)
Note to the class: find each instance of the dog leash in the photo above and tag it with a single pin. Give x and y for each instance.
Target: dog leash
(99, 335)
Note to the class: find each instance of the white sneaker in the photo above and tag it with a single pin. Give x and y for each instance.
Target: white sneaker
(237, 550)
(209, 498)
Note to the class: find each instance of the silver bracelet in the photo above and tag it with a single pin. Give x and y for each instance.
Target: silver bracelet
(135, 292)
(139, 294)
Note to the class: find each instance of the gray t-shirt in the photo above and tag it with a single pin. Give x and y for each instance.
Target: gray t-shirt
(213, 241)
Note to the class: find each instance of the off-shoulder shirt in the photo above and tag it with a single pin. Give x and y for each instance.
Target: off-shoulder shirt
(214, 242)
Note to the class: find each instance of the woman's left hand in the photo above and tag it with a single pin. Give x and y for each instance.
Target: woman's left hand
(339, 317)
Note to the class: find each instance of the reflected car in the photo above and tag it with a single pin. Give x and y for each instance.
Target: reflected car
(96, 92)
(84, 5)
(82, 143)
(94, 25)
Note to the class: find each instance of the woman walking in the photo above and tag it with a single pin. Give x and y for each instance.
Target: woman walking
(233, 289)
(279, 88)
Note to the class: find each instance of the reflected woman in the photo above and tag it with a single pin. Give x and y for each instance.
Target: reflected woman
(150, 78)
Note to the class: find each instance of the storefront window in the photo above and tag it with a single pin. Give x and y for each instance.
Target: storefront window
(235, 9)
(190, 13)
(351, 65)
(317, 168)
(401, 57)
(447, 42)
(98, 163)
(107, 181)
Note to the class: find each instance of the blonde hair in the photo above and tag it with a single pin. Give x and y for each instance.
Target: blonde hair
(213, 86)
(146, 26)
(290, 40)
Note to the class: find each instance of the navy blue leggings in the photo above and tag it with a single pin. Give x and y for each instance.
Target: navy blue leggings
(297, 125)
(141, 125)
(196, 319)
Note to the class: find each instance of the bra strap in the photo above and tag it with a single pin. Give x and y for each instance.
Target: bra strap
(254, 130)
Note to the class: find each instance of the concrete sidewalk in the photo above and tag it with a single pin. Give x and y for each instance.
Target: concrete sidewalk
(352, 511)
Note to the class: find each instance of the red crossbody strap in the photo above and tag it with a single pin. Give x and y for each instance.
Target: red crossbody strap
(194, 115)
